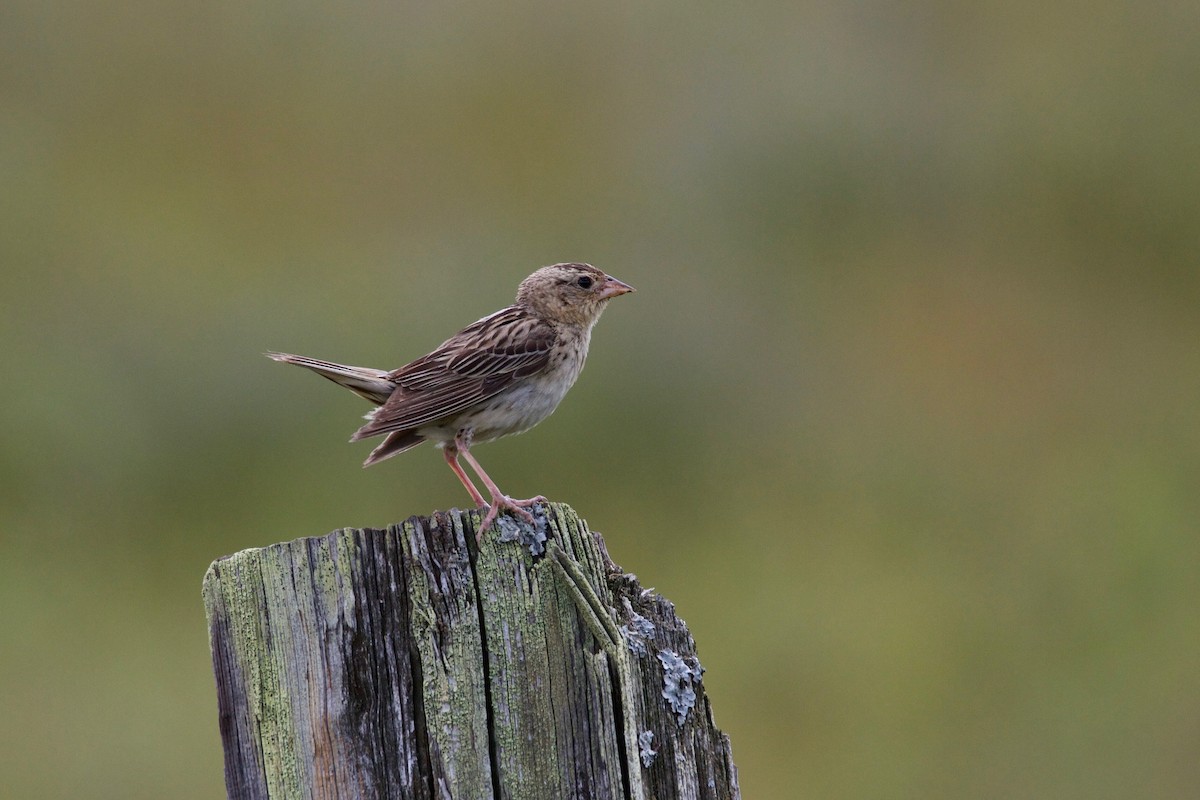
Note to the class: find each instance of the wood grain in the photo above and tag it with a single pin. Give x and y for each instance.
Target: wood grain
(404, 663)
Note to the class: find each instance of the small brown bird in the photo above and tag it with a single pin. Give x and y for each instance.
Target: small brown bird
(498, 376)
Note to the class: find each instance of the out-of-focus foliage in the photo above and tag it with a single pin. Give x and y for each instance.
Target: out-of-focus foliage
(904, 415)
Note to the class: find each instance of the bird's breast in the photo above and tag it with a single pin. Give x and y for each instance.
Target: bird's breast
(529, 401)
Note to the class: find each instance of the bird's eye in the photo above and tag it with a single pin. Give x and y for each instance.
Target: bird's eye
(584, 282)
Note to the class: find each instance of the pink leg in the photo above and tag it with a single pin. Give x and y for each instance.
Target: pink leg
(451, 454)
(500, 501)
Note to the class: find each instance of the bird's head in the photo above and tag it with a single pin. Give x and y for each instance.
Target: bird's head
(573, 294)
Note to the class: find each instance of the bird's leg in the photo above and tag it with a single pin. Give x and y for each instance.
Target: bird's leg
(500, 501)
(450, 451)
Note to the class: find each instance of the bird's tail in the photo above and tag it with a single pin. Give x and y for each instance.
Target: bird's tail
(395, 443)
(370, 384)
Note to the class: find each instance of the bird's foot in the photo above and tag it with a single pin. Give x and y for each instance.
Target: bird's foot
(505, 503)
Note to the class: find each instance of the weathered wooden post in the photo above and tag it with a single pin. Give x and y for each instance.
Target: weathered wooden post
(404, 663)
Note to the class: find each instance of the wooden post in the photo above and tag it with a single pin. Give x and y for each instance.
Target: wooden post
(405, 663)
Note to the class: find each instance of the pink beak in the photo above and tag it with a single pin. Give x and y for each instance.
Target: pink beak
(613, 287)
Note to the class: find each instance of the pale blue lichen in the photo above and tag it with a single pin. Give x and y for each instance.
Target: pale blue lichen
(531, 536)
(679, 679)
(636, 631)
(646, 748)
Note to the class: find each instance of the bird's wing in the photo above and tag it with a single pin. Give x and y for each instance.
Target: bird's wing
(477, 363)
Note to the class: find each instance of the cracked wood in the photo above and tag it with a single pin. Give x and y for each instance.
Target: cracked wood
(404, 663)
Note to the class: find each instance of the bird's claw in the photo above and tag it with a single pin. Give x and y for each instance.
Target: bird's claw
(505, 503)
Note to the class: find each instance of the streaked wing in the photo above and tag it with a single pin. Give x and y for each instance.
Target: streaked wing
(475, 364)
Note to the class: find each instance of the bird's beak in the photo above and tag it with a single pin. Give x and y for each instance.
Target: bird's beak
(613, 287)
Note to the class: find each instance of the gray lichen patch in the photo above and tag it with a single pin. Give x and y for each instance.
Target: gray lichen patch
(679, 679)
(637, 630)
(531, 536)
(646, 748)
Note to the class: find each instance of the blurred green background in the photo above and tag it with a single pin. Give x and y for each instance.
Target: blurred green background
(903, 416)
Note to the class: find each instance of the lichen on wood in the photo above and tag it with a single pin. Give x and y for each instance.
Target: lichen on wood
(407, 662)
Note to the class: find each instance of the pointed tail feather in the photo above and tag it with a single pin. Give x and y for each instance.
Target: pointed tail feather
(395, 443)
(370, 384)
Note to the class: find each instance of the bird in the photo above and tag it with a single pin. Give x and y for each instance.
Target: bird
(499, 376)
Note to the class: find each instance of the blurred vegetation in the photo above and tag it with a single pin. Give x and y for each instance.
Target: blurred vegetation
(903, 416)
